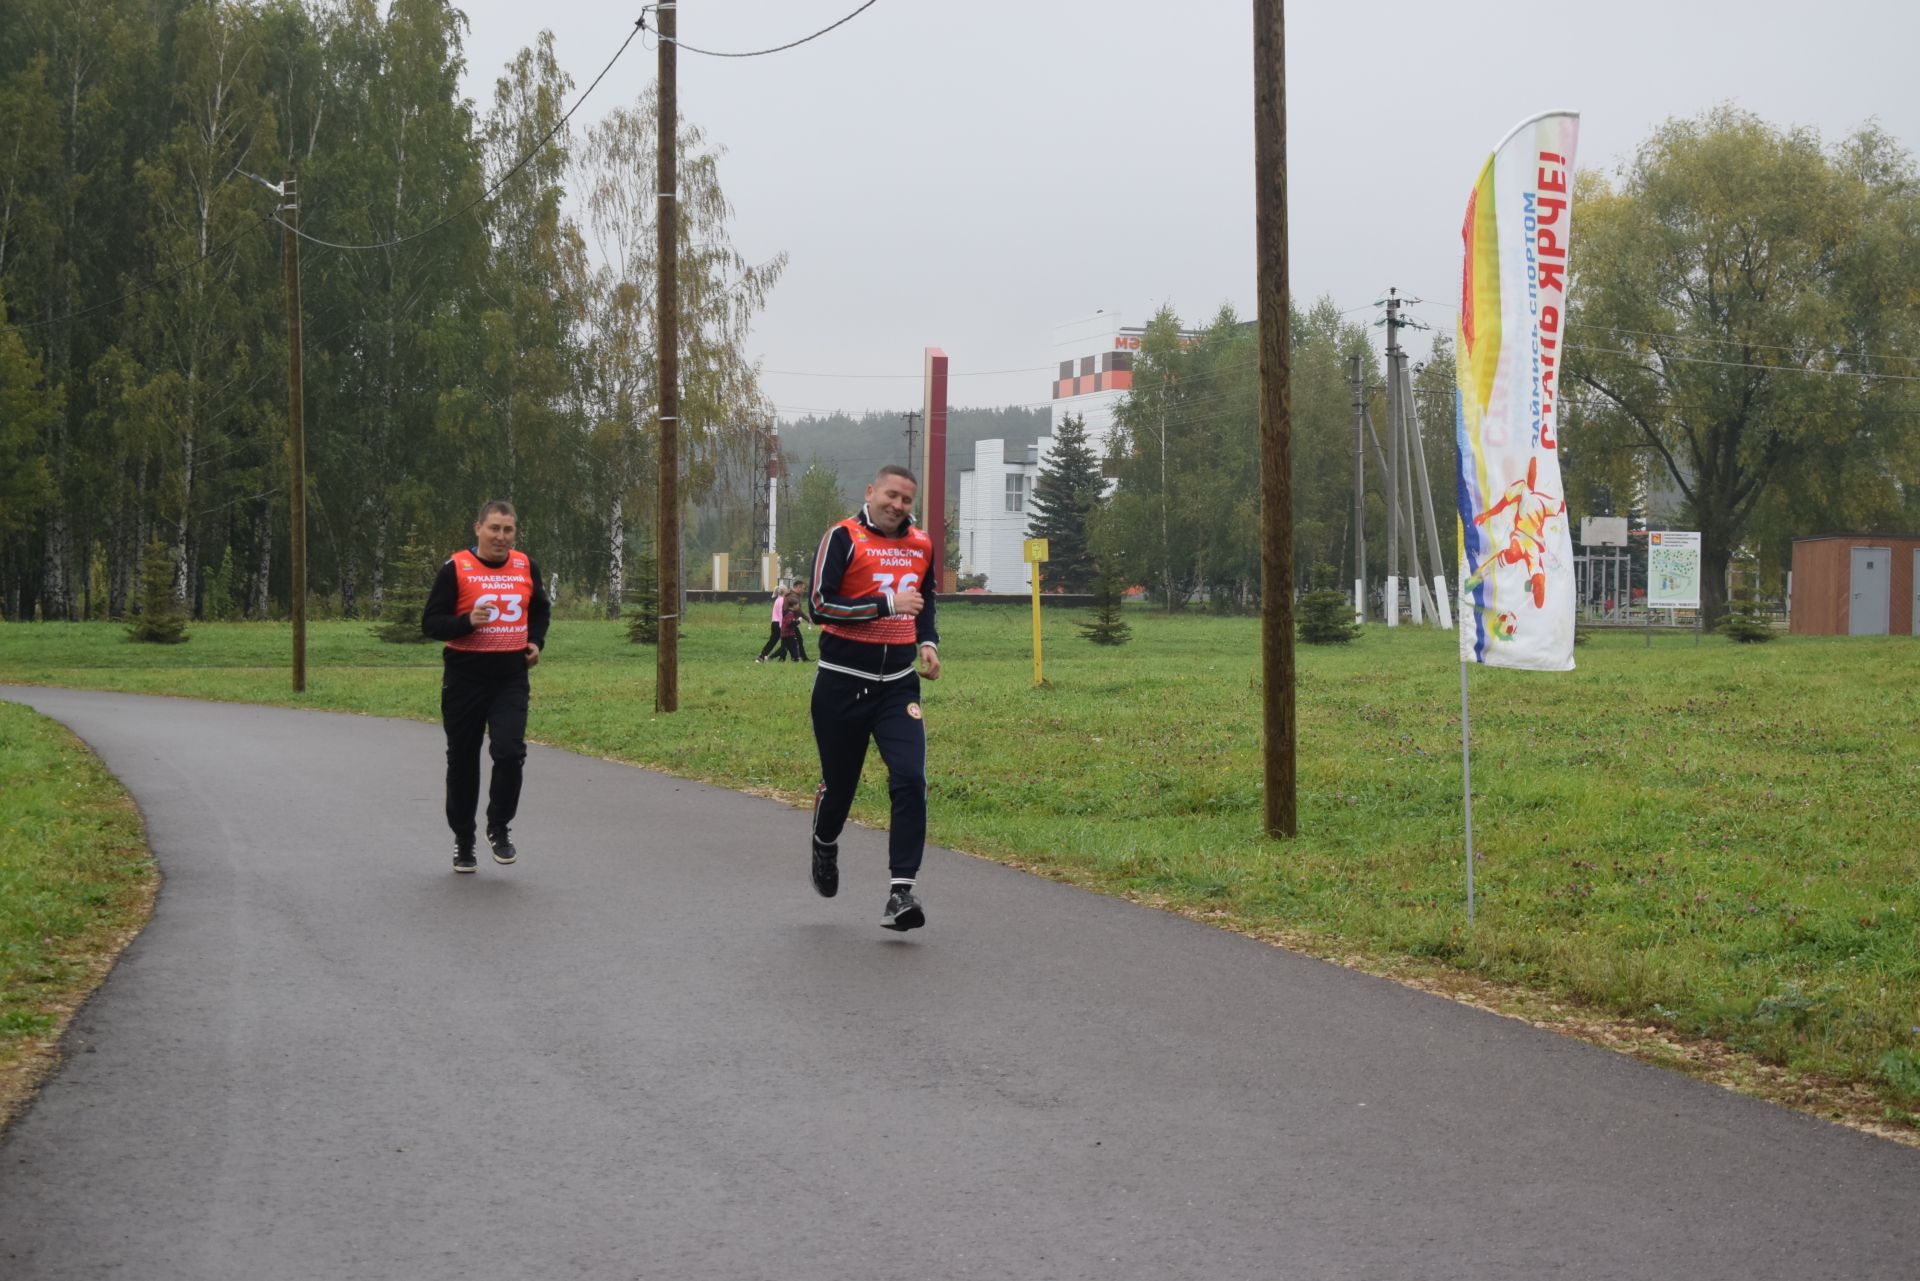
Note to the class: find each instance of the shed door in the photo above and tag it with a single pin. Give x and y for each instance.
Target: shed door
(1872, 591)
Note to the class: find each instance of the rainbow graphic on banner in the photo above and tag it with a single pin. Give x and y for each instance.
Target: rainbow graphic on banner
(1516, 551)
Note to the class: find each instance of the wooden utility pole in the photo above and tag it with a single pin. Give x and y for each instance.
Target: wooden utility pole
(296, 431)
(912, 416)
(666, 688)
(1276, 411)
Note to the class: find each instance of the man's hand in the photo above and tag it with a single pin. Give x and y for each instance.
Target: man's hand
(533, 655)
(481, 615)
(908, 602)
(930, 662)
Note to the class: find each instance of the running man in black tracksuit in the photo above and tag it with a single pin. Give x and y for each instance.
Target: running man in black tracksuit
(873, 599)
(488, 605)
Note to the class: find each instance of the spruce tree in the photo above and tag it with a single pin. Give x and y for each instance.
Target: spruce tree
(1065, 492)
(409, 578)
(643, 597)
(1326, 615)
(161, 621)
(1107, 627)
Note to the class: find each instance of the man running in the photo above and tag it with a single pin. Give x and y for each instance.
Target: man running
(873, 599)
(487, 604)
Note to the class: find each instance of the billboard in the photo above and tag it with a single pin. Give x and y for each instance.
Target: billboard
(1673, 569)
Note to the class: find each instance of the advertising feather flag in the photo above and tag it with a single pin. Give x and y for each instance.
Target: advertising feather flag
(1516, 551)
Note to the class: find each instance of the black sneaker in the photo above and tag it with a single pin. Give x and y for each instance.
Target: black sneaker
(826, 868)
(903, 910)
(463, 860)
(503, 851)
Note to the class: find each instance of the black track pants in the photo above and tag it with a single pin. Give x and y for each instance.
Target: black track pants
(472, 709)
(773, 640)
(847, 713)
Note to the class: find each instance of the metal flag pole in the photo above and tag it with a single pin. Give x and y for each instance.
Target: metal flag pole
(1466, 784)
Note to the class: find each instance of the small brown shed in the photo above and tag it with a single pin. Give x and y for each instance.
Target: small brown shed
(1856, 585)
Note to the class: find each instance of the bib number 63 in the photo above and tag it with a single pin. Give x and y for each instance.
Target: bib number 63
(502, 607)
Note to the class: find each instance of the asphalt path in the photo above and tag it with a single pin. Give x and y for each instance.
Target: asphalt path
(649, 1050)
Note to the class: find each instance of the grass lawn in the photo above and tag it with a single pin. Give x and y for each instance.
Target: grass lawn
(1713, 840)
(75, 884)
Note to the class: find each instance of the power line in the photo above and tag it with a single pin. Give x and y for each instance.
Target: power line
(970, 373)
(265, 493)
(504, 178)
(1745, 364)
(1735, 342)
(781, 48)
(137, 290)
(1574, 326)
(1188, 404)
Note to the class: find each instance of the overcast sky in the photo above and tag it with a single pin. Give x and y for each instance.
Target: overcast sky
(968, 176)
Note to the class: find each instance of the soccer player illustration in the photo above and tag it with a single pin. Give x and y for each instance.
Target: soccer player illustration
(1533, 510)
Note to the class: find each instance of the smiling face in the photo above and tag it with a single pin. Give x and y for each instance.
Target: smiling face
(890, 501)
(493, 535)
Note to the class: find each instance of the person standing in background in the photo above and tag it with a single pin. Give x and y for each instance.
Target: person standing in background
(773, 632)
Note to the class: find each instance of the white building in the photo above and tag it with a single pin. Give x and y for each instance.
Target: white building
(994, 496)
(1095, 370)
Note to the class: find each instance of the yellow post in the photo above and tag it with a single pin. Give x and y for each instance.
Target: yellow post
(1036, 556)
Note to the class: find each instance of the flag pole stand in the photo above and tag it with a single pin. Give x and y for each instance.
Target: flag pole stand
(1466, 785)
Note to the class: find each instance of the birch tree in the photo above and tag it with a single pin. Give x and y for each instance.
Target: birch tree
(199, 335)
(719, 289)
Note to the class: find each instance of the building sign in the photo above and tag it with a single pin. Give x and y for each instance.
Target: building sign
(1673, 569)
(1131, 342)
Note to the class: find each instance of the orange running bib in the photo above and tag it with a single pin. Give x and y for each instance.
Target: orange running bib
(507, 593)
(879, 566)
